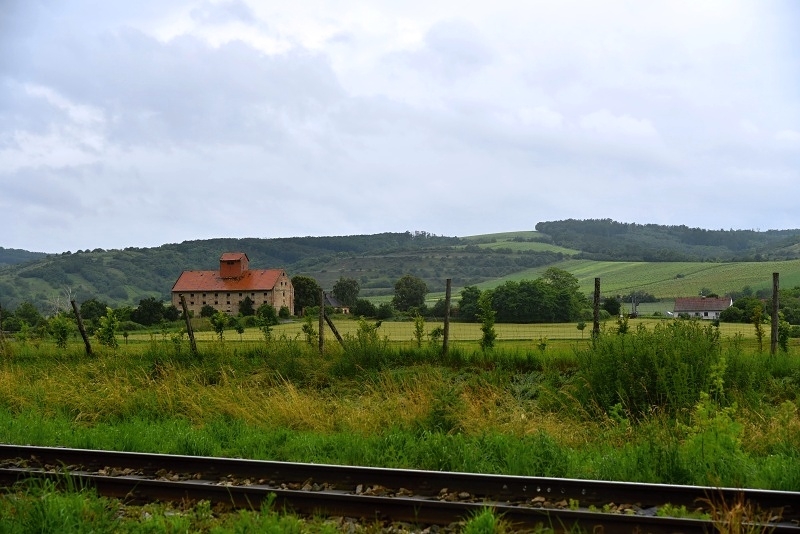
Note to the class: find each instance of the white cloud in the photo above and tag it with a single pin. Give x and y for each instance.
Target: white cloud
(605, 123)
(789, 136)
(450, 117)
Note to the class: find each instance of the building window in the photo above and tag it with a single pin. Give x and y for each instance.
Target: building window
(227, 294)
(204, 294)
(216, 302)
(191, 295)
(191, 303)
(240, 294)
(204, 303)
(228, 303)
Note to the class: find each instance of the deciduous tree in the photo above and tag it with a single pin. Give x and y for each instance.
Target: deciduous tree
(468, 305)
(409, 291)
(346, 291)
(306, 292)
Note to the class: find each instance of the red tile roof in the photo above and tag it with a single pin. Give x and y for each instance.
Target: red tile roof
(687, 304)
(251, 280)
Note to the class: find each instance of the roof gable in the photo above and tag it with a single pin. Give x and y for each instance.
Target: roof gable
(686, 304)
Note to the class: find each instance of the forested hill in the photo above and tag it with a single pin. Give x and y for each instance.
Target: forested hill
(124, 277)
(13, 256)
(608, 240)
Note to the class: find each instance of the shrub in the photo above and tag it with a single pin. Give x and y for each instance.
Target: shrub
(665, 368)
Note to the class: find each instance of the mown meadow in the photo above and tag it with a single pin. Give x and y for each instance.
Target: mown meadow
(676, 402)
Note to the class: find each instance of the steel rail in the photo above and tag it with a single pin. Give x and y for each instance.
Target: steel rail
(505, 493)
(134, 490)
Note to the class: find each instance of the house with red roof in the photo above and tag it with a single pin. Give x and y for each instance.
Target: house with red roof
(701, 307)
(227, 287)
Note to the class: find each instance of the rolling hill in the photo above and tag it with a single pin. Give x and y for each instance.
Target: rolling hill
(123, 277)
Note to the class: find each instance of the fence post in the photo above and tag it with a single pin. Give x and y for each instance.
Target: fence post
(189, 331)
(596, 310)
(446, 333)
(321, 320)
(81, 329)
(773, 342)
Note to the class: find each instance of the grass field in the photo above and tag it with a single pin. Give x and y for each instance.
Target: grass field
(664, 279)
(466, 334)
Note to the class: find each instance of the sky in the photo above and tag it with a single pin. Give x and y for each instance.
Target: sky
(160, 121)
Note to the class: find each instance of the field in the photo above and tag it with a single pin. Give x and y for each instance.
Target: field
(669, 279)
(468, 334)
(669, 402)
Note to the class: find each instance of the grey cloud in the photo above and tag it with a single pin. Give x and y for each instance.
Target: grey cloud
(184, 91)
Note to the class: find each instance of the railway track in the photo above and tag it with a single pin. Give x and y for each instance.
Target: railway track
(396, 495)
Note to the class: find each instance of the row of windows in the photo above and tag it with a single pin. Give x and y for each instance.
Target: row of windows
(252, 295)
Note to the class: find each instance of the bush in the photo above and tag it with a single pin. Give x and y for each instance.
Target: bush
(364, 308)
(665, 368)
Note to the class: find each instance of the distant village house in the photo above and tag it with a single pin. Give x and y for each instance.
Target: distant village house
(701, 307)
(225, 289)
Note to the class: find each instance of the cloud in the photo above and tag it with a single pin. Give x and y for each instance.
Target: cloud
(604, 122)
(319, 118)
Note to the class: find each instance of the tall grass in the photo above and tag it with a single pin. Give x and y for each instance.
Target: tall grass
(663, 369)
(517, 409)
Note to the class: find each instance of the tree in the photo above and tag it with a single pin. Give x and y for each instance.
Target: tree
(246, 307)
(238, 326)
(438, 309)
(487, 315)
(346, 291)
(364, 308)
(581, 326)
(28, 314)
(266, 319)
(756, 317)
(60, 328)
(207, 311)
(93, 309)
(149, 312)
(612, 306)
(266, 315)
(107, 329)
(419, 329)
(566, 298)
(409, 291)
(468, 305)
(219, 321)
(306, 292)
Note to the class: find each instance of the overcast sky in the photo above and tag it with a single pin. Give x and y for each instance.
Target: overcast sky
(157, 121)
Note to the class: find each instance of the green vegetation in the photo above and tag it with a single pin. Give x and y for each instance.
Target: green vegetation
(376, 262)
(667, 401)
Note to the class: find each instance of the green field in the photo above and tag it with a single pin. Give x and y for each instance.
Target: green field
(669, 279)
(512, 241)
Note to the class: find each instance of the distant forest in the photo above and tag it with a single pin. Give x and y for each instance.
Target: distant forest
(608, 240)
(124, 277)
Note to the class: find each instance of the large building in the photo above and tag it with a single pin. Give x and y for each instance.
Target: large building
(226, 288)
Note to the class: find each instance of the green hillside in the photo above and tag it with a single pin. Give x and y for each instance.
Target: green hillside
(667, 280)
(612, 251)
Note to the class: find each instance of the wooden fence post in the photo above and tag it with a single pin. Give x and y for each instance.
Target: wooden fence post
(321, 321)
(446, 333)
(81, 329)
(596, 309)
(773, 342)
(189, 331)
